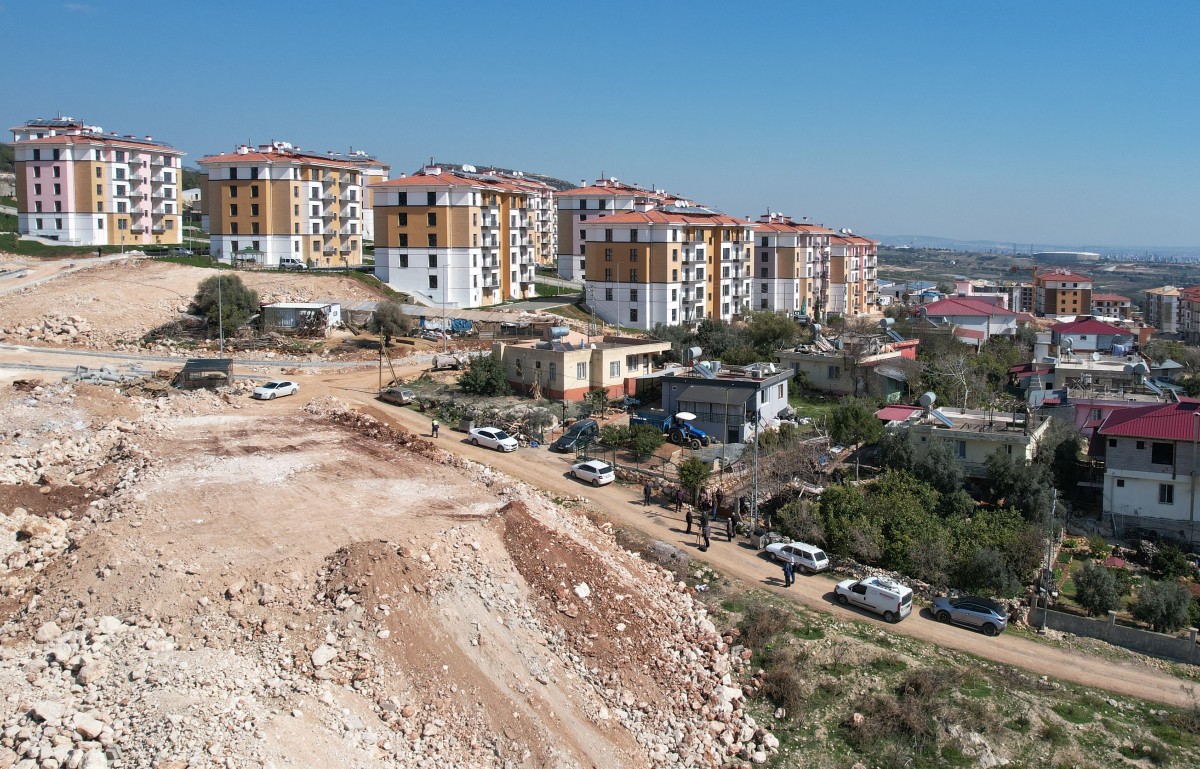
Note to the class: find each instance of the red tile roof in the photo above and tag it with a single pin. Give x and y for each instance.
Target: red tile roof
(444, 179)
(106, 139)
(897, 413)
(612, 189)
(963, 305)
(278, 156)
(1109, 298)
(790, 226)
(1073, 277)
(968, 333)
(1169, 421)
(1088, 326)
(656, 216)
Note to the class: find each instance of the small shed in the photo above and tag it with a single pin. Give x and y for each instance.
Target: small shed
(301, 318)
(206, 372)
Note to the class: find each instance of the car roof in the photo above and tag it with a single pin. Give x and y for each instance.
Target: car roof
(986, 602)
(594, 463)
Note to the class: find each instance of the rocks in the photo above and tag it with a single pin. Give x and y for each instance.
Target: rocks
(89, 728)
(95, 759)
(582, 590)
(92, 672)
(48, 711)
(323, 655)
(47, 633)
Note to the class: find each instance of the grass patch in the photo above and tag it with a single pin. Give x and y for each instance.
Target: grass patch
(1054, 734)
(888, 665)
(14, 245)
(194, 261)
(375, 283)
(977, 688)
(1020, 724)
(1064, 557)
(1074, 712)
(762, 622)
(8, 222)
(838, 669)
(808, 633)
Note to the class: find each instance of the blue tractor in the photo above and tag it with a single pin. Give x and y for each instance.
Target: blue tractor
(676, 427)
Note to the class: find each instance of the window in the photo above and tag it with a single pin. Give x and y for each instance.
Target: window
(100, 207)
(960, 449)
(433, 240)
(57, 189)
(581, 371)
(1120, 483)
(254, 209)
(402, 198)
(431, 198)
(404, 261)
(608, 294)
(37, 155)
(232, 190)
(433, 281)
(608, 254)
(608, 236)
(614, 369)
(1141, 445)
(834, 372)
(403, 240)
(583, 205)
(763, 289)
(233, 228)
(633, 274)
(633, 315)
(674, 294)
(633, 234)
(254, 229)
(1095, 414)
(1162, 453)
(233, 209)
(633, 294)
(402, 220)
(633, 254)
(232, 171)
(431, 218)
(58, 222)
(553, 371)
(1112, 443)
(37, 189)
(1166, 494)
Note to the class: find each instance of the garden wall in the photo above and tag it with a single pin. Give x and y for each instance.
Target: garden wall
(1144, 641)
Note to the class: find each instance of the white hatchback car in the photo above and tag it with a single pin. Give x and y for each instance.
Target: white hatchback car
(276, 389)
(594, 472)
(493, 438)
(803, 556)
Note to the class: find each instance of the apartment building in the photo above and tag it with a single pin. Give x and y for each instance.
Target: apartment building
(672, 264)
(1189, 314)
(81, 186)
(373, 171)
(848, 285)
(1112, 306)
(1061, 292)
(1151, 476)
(787, 263)
(1162, 308)
(605, 197)
(542, 201)
(262, 204)
(460, 239)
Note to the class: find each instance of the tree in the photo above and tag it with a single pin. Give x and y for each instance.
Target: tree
(852, 422)
(770, 331)
(798, 521)
(1020, 484)
(986, 569)
(644, 440)
(940, 468)
(389, 321)
(957, 375)
(615, 436)
(693, 474)
(1163, 605)
(897, 450)
(1169, 563)
(484, 377)
(224, 300)
(1096, 589)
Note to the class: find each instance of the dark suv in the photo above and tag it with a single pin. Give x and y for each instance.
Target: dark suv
(577, 436)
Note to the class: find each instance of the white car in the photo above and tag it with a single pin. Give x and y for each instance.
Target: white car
(276, 389)
(493, 438)
(803, 556)
(594, 472)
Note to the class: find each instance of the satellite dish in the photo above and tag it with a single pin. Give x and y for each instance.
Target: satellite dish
(1096, 357)
(927, 400)
(1140, 368)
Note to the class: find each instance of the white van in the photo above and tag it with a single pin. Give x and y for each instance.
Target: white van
(292, 263)
(878, 594)
(803, 556)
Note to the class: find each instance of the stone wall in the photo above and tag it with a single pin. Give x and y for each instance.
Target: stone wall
(1143, 641)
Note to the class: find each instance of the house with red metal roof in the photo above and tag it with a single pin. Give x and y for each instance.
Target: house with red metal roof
(1152, 468)
(1088, 336)
(974, 321)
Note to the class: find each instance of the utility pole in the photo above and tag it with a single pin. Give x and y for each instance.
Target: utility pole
(1049, 575)
(220, 317)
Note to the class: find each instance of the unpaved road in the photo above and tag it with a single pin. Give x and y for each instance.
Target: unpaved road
(547, 470)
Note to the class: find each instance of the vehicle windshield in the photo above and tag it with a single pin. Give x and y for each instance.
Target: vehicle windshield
(602, 469)
(270, 385)
(501, 435)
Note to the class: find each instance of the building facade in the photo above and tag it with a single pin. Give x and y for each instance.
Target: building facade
(1151, 471)
(1112, 306)
(1162, 308)
(670, 265)
(273, 202)
(848, 286)
(1061, 292)
(81, 186)
(575, 208)
(974, 321)
(787, 264)
(463, 240)
(1189, 314)
(732, 404)
(568, 367)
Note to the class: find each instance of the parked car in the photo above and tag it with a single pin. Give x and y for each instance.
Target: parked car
(878, 594)
(177, 251)
(276, 389)
(594, 472)
(972, 611)
(401, 396)
(292, 263)
(493, 438)
(803, 556)
(577, 436)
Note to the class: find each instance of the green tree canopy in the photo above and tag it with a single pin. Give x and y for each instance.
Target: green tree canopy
(941, 469)
(484, 377)
(228, 294)
(1020, 484)
(644, 440)
(1163, 605)
(1096, 589)
(693, 474)
(852, 422)
(389, 321)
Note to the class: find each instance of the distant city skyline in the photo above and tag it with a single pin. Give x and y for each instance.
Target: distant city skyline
(1068, 122)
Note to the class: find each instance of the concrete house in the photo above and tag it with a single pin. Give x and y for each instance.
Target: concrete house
(1088, 336)
(974, 320)
(728, 400)
(567, 365)
(973, 435)
(853, 364)
(1151, 468)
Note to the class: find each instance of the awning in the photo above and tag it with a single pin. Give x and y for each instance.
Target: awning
(891, 372)
(710, 394)
(896, 413)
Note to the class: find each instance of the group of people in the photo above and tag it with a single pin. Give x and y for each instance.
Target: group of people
(701, 515)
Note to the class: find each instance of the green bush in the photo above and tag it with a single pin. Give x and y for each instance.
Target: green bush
(484, 377)
(644, 440)
(1163, 605)
(1096, 588)
(223, 300)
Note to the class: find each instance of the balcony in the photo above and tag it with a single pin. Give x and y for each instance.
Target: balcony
(158, 194)
(158, 229)
(158, 162)
(329, 213)
(137, 229)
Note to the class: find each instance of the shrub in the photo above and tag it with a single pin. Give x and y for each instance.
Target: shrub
(389, 321)
(1163, 605)
(644, 440)
(1096, 588)
(1169, 563)
(760, 623)
(484, 377)
(693, 473)
(1099, 546)
(224, 300)
(784, 687)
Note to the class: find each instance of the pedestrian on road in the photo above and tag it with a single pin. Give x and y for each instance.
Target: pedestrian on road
(688, 518)
(788, 575)
(729, 528)
(433, 430)
(707, 531)
(646, 493)
(678, 499)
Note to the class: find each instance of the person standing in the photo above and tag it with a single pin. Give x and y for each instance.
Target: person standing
(678, 499)
(434, 429)
(707, 532)
(729, 527)
(688, 519)
(646, 493)
(788, 574)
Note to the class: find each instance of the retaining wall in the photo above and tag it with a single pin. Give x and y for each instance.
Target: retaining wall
(1144, 641)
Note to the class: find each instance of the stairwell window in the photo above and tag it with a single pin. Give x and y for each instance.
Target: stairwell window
(581, 371)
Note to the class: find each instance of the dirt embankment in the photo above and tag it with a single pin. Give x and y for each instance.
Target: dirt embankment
(210, 586)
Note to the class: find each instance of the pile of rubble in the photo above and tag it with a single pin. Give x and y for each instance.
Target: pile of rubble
(51, 329)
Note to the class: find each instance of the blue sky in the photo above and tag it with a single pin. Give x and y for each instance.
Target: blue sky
(1049, 122)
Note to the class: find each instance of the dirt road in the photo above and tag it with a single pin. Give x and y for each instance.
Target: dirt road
(548, 471)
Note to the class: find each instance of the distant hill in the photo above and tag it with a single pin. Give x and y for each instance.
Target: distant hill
(191, 178)
(6, 159)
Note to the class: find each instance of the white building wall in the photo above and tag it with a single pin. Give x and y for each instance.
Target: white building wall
(459, 284)
(273, 247)
(78, 229)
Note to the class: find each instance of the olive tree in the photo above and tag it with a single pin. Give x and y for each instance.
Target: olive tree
(224, 300)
